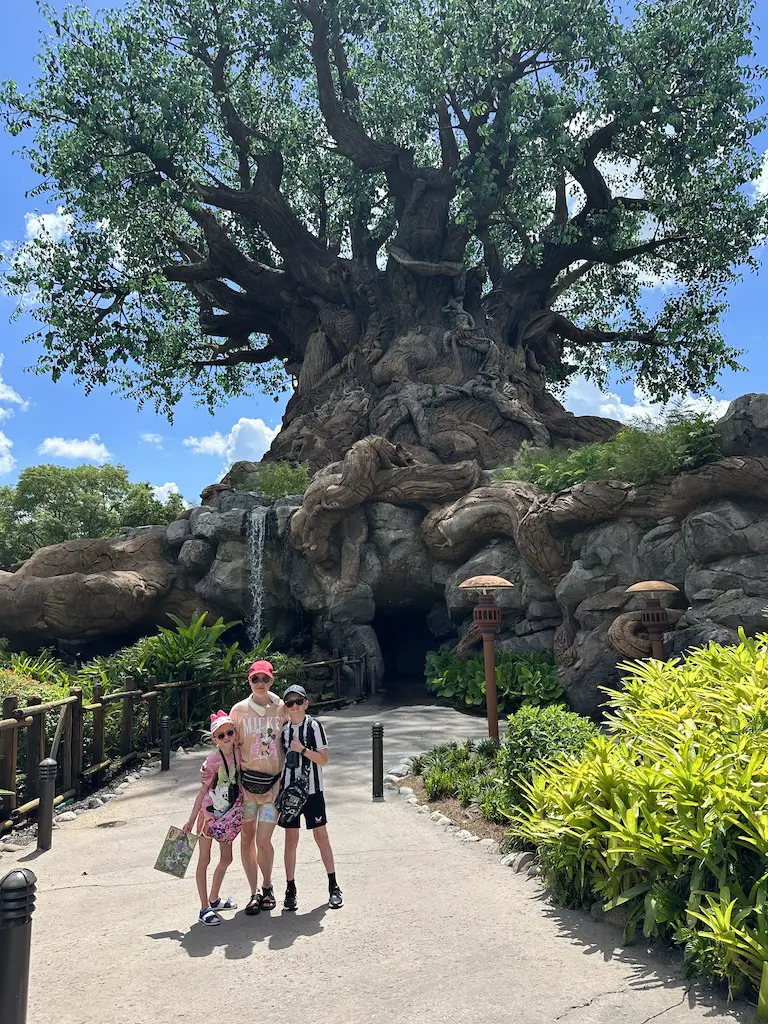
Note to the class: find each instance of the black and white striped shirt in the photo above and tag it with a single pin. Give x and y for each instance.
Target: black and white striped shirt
(312, 736)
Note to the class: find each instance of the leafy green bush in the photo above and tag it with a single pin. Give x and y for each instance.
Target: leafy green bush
(668, 817)
(520, 679)
(534, 735)
(13, 684)
(279, 479)
(638, 454)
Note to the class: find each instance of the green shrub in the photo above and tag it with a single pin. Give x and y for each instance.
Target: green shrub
(668, 817)
(13, 684)
(638, 454)
(520, 679)
(536, 734)
(279, 479)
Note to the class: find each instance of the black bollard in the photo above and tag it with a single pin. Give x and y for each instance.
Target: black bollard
(377, 735)
(17, 901)
(47, 777)
(165, 743)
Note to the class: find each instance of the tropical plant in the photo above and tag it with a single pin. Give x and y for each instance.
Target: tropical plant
(520, 678)
(640, 453)
(279, 479)
(668, 815)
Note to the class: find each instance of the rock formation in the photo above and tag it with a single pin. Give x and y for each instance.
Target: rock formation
(370, 560)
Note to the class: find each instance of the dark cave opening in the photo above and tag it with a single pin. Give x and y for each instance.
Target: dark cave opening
(405, 639)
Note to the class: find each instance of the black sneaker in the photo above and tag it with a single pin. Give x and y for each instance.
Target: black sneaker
(290, 902)
(335, 902)
(254, 904)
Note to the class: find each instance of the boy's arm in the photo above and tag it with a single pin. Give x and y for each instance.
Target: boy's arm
(320, 755)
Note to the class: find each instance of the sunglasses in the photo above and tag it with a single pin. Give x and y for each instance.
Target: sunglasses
(259, 680)
(225, 735)
(295, 703)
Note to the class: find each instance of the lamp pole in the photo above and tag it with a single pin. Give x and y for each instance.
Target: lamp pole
(487, 619)
(654, 617)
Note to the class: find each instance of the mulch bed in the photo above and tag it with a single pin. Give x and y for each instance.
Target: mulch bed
(469, 818)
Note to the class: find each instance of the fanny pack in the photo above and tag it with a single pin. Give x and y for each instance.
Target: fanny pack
(226, 829)
(290, 801)
(258, 782)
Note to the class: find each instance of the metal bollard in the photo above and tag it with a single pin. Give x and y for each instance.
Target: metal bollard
(17, 901)
(47, 777)
(377, 736)
(165, 743)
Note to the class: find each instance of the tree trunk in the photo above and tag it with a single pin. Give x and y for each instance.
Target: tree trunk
(431, 371)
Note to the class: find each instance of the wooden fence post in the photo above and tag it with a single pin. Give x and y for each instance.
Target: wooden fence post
(126, 726)
(184, 708)
(153, 722)
(76, 719)
(99, 731)
(336, 674)
(9, 749)
(35, 751)
(66, 758)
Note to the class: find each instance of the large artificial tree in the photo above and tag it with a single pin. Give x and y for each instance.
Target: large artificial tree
(428, 216)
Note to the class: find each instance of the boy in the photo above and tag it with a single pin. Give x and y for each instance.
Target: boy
(259, 721)
(306, 737)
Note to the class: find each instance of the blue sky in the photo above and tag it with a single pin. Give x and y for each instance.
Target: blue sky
(45, 422)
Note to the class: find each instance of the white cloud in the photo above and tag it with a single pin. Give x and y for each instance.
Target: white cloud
(155, 439)
(89, 450)
(9, 396)
(163, 491)
(51, 225)
(248, 440)
(585, 399)
(7, 461)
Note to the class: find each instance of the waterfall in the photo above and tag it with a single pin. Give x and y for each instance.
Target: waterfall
(257, 523)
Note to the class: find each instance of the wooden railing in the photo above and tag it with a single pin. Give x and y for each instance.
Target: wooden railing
(101, 737)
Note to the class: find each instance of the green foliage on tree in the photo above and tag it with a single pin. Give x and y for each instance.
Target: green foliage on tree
(232, 166)
(51, 504)
(279, 479)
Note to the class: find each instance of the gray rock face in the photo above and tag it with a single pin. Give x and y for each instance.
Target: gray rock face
(499, 558)
(405, 578)
(226, 526)
(744, 428)
(177, 532)
(715, 531)
(196, 556)
(228, 582)
(244, 501)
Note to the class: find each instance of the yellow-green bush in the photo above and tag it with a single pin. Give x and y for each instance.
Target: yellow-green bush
(667, 816)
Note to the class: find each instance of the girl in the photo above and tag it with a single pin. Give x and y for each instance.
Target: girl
(217, 812)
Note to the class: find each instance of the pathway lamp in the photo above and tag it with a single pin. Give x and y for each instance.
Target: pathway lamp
(653, 616)
(487, 619)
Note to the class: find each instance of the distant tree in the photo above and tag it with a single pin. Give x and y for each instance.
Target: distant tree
(50, 504)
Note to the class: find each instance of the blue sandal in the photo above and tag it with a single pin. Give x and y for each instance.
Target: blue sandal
(209, 917)
(223, 904)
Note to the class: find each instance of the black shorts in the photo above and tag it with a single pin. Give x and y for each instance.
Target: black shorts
(313, 812)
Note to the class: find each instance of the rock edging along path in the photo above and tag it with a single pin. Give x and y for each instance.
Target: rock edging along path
(432, 929)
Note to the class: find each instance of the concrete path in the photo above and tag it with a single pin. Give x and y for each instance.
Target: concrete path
(433, 930)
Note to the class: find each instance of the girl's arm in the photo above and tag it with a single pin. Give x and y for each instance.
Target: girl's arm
(196, 807)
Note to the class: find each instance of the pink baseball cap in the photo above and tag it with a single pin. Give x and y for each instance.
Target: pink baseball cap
(261, 668)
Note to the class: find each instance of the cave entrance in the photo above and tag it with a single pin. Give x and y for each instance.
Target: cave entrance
(404, 639)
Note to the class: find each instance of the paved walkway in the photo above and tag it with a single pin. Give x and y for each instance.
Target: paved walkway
(433, 930)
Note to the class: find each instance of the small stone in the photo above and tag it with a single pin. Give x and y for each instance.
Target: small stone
(405, 791)
(509, 860)
(107, 796)
(463, 834)
(412, 800)
(451, 830)
(422, 808)
(534, 871)
(444, 820)
(436, 816)
(94, 802)
(471, 839)
(135, 777)
(180, 750)
(10, 848)
(125, 782)
(520, 861)
(66, 816)
(488, 843)
(391, 787)
(391, 778)
(400, 771)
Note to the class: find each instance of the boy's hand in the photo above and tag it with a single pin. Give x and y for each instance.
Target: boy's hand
(297, 746)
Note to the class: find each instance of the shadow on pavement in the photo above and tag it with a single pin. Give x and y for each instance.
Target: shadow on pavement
(656, 967)
(239, 936)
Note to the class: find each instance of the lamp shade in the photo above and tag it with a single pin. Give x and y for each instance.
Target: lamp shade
(652, 587)
(484, 584)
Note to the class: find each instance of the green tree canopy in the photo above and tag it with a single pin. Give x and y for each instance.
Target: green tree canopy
(50, 504)
(233, 166)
